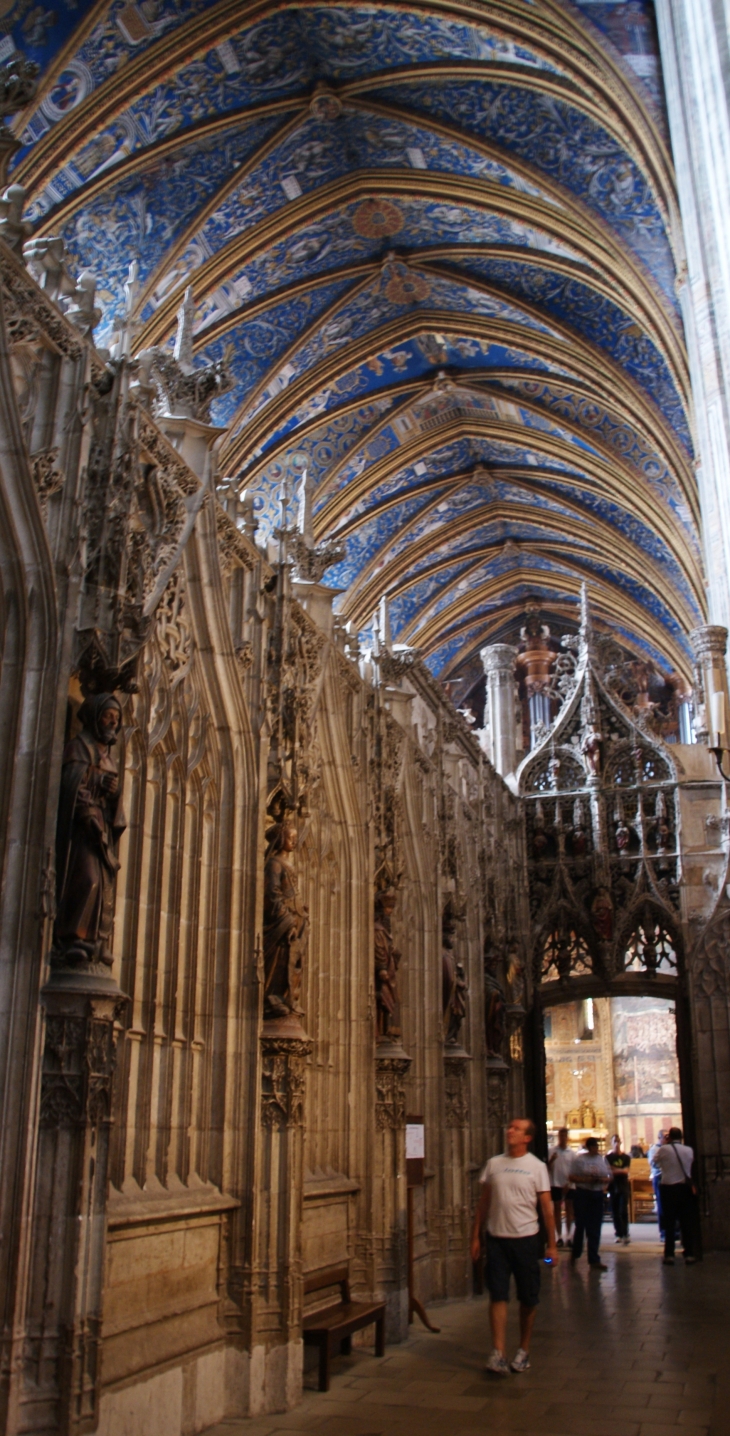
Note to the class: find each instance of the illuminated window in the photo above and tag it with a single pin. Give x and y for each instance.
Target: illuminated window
(565, 955)
(650, 950)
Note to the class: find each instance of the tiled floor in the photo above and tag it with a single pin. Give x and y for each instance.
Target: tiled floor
(643, 1350)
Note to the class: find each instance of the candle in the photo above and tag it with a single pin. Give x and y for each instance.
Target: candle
(719, 722)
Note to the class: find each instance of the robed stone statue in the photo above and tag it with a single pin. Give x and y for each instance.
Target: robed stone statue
(286, 924)
(90, 824)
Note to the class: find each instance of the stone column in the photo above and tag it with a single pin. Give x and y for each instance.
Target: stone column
(693, 41)
(713, 718)
(276, 1364)
(499, 666)
(67, 1275)
(456, 1151)
(389, 1203)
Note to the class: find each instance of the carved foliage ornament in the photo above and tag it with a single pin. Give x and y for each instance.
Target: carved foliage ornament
(47, 476)
(455, 1092)
(497, 1100)
(710, 965)
(283, 1080)
(296, 661)
(78, 1066)
(28, 311)
(173, 629)
(388, 750)
(390, 1092)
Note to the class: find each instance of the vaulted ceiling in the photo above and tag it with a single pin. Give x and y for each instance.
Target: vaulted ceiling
(434, 244)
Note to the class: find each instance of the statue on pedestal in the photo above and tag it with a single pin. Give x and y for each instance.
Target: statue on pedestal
(387, 961)
(90, 824)
(286, 924)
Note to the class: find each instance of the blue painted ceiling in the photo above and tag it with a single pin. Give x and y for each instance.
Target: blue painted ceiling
(433, 244)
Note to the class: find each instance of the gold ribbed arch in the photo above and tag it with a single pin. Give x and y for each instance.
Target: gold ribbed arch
(609, 605)
(363, 594)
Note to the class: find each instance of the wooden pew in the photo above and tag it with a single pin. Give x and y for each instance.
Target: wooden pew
(331, 1328)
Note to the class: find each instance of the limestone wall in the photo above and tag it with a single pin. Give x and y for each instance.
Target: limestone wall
(175, 1165)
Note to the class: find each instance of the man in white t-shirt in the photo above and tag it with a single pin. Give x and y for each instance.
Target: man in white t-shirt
(560, 1163)
(512, 1186)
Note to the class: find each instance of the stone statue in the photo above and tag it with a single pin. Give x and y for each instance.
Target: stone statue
(457, 1010)
(286, 924)
(387, 961)
(495, 1005)
(591, 749)
(602, 914)
(90, 824)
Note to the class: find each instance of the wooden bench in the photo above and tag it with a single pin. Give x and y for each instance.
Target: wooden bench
(331, 1329)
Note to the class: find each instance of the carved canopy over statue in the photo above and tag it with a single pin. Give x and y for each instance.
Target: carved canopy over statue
(387, 960)
(286, 925)
(90, 823)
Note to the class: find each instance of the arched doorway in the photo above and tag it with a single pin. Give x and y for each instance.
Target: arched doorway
(612, 1052)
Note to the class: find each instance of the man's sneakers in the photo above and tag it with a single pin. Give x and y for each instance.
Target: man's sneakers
(521, 1361)
(497, 1364)
(597, 1266)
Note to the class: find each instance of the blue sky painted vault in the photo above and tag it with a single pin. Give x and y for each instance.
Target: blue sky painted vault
(433, 248)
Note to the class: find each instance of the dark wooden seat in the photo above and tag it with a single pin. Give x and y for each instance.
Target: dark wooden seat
(331, 1328)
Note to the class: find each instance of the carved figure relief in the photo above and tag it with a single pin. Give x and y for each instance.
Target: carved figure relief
(286, 924)
(90, 823)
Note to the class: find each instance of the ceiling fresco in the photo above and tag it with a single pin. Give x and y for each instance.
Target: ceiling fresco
(432, 244)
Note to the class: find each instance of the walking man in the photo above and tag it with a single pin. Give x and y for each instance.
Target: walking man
(560, 1161)
(677, 1194)
(591, 1175)
(619, 1162)
(512, 1187)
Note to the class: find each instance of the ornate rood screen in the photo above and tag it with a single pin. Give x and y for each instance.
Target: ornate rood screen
(602, 845)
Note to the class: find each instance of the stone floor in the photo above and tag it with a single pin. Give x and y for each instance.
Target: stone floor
(643, 1350)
